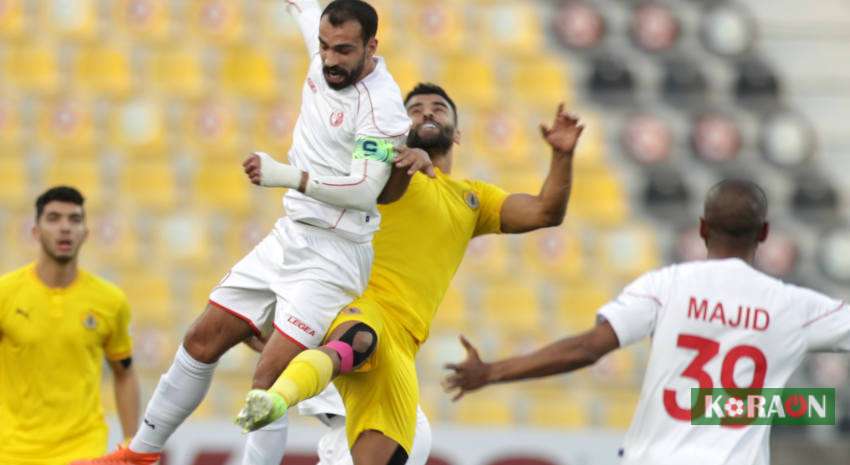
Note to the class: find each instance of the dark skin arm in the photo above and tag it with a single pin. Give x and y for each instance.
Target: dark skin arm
(561, 356)
(407, 162)
(526, 212)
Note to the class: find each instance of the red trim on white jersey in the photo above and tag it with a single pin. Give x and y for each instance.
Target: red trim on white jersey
(646, 296)
(840, 306)
(372, 113)
(283, 333)
(238, 315)
(297, 7)
(361, 181)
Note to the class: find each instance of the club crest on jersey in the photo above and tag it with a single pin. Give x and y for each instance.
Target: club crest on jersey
(336, 118)
(471, 200)
(312, 85)
(90, 322)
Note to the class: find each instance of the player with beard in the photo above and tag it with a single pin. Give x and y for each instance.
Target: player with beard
(318, 256)
(371, 346)
(57, 324)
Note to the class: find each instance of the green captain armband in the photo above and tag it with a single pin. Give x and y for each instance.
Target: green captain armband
(373, 148)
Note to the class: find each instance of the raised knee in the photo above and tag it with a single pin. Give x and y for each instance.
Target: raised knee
(355, 346)
(200, 347)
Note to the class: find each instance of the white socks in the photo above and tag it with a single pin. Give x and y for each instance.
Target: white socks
(267, 445)
(178, 394)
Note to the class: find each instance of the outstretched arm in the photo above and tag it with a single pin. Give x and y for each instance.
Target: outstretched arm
(526, 212)
(307, 14)
(562, 356)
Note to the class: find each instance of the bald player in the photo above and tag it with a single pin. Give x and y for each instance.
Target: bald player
(714, 323)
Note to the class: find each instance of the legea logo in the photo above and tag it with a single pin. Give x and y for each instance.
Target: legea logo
(766, 406)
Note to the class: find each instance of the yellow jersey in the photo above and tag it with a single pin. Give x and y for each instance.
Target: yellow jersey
(52, 347)
(422, 240)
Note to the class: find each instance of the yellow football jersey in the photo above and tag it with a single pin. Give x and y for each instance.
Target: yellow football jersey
(422, 240)
(52, 348)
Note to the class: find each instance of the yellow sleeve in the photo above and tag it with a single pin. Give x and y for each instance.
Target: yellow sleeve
(490, 198)
(118, 345)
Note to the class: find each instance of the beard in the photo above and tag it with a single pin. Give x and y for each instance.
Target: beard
(436, 144)
(348, 77)
(60, 258)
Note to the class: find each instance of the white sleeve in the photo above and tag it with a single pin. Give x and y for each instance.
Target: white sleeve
(633, 313)
(307, 14)
(357, 191)
(381, 112)
(827, 325)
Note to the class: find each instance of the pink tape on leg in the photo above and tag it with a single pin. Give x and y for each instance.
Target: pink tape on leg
(346, 355)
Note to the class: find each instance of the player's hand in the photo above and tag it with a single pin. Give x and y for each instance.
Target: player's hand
(564, 133)
(470, 375)
(253, 168)
(256, 343)
(414, 160)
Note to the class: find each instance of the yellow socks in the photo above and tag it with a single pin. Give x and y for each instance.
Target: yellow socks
(308, 374)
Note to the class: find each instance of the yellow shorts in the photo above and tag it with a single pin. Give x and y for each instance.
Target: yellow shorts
(383, 393)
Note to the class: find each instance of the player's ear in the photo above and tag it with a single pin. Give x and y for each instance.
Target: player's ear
(764, 232)
(703, 229)
(456, 137)
(371, 47)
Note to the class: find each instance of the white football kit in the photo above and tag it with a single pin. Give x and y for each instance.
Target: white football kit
(319, 256)
(716, 323)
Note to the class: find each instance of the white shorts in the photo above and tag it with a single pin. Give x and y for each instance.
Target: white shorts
(297, 279)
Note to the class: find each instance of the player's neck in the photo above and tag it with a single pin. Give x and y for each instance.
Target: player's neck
(56, 274)
(723, 252)
(370, 66)
(443, 161)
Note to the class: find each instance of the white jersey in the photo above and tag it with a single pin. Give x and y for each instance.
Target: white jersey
(716, 323)
(328, 125)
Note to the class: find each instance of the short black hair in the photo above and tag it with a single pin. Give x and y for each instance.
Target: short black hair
(340, 11)
(58, 194)
(429, 88)
(736, 209)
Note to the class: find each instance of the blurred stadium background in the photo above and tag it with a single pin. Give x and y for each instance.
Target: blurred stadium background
(149, 106)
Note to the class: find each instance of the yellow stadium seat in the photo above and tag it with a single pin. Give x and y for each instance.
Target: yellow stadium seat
(149, 184)
(502, 136)
(279, 26)
(273, 125)
(628, 251)
(223, 186)
(470, 80)
(542, 82)
(211, 129)
(619, 408)
(487, 256)
(407, 72)
(68, 127)
(513, 27)
(32, 68)
(144, 19)
(437, 23)
(104, 70)
(138, 127)
(249, 72)
(177, 71)
(13, 21)
(182, 239)
(22, 247)
(512, 305)
(590, 153)
(219, 20)
(488, 409)
(599, 197)
(82, 174)
(75, 19)
(14, 181)
(150, 295)
(202, 283)
(555, 253)
(115, 239)
(451, 315)
(558, 408)
(578, 303)
(10, 128)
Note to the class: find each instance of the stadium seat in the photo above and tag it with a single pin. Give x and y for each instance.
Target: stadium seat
(406, 72)
(148, 20)
(728, 29)
(13, 20)
(14, 181)
(138, 127)
(578, 303)
(555, 253)
(558, 408)
(599, 198)
(85, 175)
(451, 315)
(579, 25)
(67, 126)
(684, 82)
(666, 194)
(501, 135)
(611, 81)
(647, 138)
(176, 71)
(619, 408)
(492, 410)
(487, 256)
(148, 184)
(32, 68)
(150, 295)
(279, 26)
(628, 251)
(116, 237)
(815, 199)
(757, 85)
(75, 20)
(104, 70)
(512, 27)
(182, 240)
(211, 129)
(217, 20)
(11, 128)
(654, 27)
(437, 23)
(223, 186)
(249, 72)
(541, 82)
(511, 305)
(272, 125)
(469, 80)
